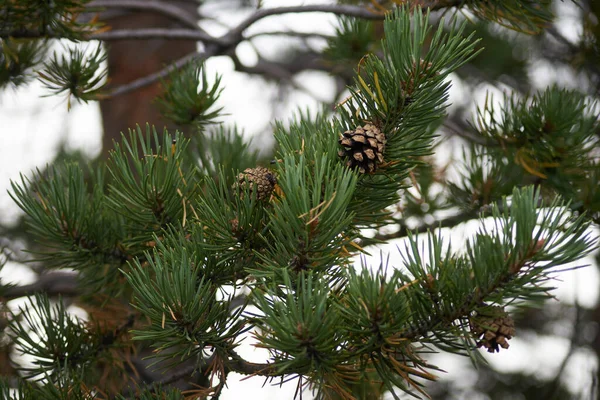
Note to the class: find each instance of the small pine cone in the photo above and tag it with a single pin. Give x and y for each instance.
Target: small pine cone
(235, 225)
(363, 148)
(260, 179)
(494, 327)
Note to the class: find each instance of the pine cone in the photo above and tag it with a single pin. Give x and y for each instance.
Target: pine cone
(494, 327)
(363, 148)
(260, 180)
(235, 226)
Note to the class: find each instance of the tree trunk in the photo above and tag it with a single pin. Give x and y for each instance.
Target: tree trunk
(132, 59)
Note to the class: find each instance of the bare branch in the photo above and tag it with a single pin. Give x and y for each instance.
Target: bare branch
(216, 46)
(302, 35)
(231, 39)
(351, 11)
(404, 230)
(163, 73)
(162, 7)
(53, 283)
(122, 34)
(336, 9)
(154, 33)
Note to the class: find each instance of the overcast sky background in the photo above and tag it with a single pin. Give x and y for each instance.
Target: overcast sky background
(33, 127)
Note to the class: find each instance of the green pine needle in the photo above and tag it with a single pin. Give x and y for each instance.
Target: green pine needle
(17, 58)
(79, 73)
(188, 98)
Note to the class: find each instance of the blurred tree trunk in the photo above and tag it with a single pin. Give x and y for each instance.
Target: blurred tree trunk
(132, 59)
(129, 60)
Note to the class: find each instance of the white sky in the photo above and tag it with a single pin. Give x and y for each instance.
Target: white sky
(32, 128)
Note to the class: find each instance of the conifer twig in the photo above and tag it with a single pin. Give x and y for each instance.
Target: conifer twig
(241, 366)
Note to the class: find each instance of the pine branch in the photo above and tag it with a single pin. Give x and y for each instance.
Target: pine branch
(457, 127)
(319, 320)
(175, 376)
(241, 366)
(521, 274)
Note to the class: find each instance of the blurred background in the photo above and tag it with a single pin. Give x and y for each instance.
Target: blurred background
(270, 77)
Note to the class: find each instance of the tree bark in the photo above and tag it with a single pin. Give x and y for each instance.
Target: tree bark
(132, 59)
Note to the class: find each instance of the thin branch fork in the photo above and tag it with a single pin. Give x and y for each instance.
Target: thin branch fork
(235, 36)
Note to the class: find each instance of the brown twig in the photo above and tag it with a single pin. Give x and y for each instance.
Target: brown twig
(241, 366)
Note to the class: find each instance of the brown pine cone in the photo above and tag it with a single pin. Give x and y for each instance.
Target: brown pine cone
(494, 327)
(363, 148)
(259, 179)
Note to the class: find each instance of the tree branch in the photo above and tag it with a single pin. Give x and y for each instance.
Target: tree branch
(122, 34)
(154, 33)
(351, 11)
(241, 366)
(458, 127)
(404, 230)
(162, 7)
(52, 283)
(301, 35)
(216, 46)
(336, 9)
(163, 73)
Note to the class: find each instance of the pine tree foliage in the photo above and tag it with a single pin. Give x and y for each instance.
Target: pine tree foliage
(527, 16)
(79, 74)
(353, 39)
(410, 113)
(549, 139)
(223, 148)
(17, 59)
(179, 255)
(45, 17)
(187, 97)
